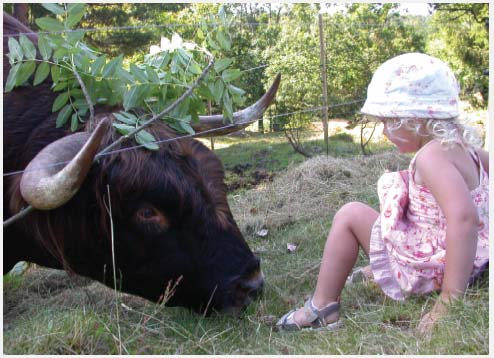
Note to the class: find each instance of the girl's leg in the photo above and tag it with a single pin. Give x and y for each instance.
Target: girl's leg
(351, 228)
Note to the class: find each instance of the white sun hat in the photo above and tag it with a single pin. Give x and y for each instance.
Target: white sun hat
(413, 85)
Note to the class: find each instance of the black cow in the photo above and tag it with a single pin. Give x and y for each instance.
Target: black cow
(170, 216)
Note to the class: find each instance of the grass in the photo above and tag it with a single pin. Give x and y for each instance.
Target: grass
(48, 312)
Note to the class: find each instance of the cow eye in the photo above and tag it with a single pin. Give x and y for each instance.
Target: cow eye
(152, 218)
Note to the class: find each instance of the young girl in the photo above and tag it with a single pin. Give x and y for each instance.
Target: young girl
(432, 229)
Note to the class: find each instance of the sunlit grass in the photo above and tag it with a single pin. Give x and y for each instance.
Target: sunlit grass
(48, 312)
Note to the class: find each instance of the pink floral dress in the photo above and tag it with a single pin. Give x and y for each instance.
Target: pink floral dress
(408, 240)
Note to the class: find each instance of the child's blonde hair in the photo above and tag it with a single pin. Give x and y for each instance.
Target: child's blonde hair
(447, 131)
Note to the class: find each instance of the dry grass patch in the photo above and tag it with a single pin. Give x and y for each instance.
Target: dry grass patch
(317, 187)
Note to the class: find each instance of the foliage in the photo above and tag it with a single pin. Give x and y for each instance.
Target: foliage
(357, 42)
(266, 38)
(143, 89)
(136, 26)
(295, 54)
(460, 36)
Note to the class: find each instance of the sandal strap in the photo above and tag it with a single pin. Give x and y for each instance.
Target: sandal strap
(314, 313)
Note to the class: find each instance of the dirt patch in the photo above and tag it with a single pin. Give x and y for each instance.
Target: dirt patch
(247, 175)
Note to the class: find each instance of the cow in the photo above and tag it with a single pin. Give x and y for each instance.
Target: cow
(162, 216)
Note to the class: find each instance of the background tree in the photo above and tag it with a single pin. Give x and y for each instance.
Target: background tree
(271, 38)
(459, 35)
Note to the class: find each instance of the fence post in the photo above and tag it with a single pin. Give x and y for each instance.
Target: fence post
(322, 51)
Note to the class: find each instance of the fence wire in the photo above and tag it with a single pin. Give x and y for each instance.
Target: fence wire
(198, 134)
(181, 25)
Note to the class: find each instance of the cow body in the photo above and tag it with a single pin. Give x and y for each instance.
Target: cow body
(169, 213)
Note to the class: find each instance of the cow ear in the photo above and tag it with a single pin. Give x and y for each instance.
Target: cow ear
(151, 218)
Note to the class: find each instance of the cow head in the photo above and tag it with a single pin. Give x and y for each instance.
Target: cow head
(163, 214)
(152, 223)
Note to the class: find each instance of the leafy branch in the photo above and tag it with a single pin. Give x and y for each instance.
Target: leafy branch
(84, 77)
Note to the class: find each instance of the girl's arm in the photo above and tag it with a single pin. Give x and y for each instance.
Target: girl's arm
(435, 165)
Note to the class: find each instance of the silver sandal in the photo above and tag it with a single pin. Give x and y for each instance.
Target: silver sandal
(317, 317)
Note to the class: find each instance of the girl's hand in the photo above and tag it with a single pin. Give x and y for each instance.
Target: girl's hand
(431, 318)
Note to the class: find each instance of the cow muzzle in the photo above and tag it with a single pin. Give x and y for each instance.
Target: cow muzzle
(250, 287)
(243, 290)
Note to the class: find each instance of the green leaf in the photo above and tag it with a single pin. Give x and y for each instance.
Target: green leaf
(165, 60)
(54, 8)
(79, 103)
(41, 73)
(227, 105)
(75, 7)
(223, 41)
(195, 68)
(25, 71)
(186, 127)
(49, 24)
(124, 75)
(139, 74)
(147, 139)
(200, 34)
(175, 67)
(185, 56)
(217, 90)
(44, 47)
(75, 36)
(221, 64)
(74, 122)
(27, 47)
(11, 78)
(131, 97)
(126, 117)
(15, 49)
(152, 75)
(205, 92)
(231, 75)
(235, 90)
(55, 73)
(76, 13)
(82, 63)
(110, 67)
(60, 86)
(60, 53)
(213, 44)
(76, 93)
(63, 116)
(123, 129)
(98, 65)
(60, 101)
(12, 59)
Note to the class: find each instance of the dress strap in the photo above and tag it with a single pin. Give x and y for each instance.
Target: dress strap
(476, 158)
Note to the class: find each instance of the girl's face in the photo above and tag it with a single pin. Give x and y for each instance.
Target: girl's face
(406, 140)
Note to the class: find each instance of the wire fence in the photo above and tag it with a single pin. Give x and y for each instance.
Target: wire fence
(257, 67)
(238, 24)
(188, 136)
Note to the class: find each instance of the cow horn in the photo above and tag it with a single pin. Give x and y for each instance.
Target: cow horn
(241, 119)
(44, 186)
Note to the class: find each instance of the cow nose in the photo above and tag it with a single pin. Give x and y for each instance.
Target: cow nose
(252, 285)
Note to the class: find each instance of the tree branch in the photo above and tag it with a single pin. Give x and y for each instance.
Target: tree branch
(186, 94)
(165, 111)
(87, 97)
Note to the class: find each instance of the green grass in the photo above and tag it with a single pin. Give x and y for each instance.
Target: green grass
(47, 312)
